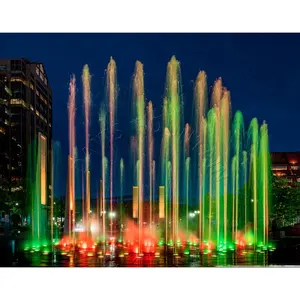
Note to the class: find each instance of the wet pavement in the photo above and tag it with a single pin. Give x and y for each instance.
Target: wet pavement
(77, 259)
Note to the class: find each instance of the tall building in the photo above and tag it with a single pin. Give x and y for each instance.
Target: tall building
(25, 119)
(286, 165)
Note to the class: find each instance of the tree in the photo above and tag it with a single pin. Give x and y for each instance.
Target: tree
(12, 197)
(286, 202)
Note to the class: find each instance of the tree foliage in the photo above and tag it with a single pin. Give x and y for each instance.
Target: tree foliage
(12, 197)
(286, 202)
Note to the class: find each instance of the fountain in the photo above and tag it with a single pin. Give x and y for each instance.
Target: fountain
(213, 184)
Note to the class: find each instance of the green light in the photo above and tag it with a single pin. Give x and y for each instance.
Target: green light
(186, 252)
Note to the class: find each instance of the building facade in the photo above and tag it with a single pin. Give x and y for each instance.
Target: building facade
(25, 120)
(286, 165)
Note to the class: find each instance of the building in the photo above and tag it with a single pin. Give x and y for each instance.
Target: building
(25, 119)
(286, 165)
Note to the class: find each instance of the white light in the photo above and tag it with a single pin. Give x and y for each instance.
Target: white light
(252, 200)
(192, 215)
(79, 228)
(17, 203)
(112, 214)
(94, 228)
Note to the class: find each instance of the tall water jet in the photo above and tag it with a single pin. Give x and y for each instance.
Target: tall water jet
(225, 137)
(154, 207)
(86, 82)
(70, 203)
(165, 178)
(216, 104)
(187, 159)
(211, 153)
(203, 219)
(121, 197)
(233, 205)
(264, 186)
(253, 140)
(102, 121)
(56, 180)
(200, 100)
(238, 136)
(139, 102)
(187, 191)
(173, 96)
(112, 94)
(245, 194)
(82, 198)
(150, 159)
(37, 180)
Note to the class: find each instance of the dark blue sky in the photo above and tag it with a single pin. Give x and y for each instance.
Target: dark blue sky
(262, 71)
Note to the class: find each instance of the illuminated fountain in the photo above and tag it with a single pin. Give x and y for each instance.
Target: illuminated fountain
(86, 82)
(208, 191)
(70, 201)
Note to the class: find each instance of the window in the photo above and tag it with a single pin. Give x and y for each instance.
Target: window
(279, 168)
(18, 90)
(295, 167)
(18, 102)
(3, 67)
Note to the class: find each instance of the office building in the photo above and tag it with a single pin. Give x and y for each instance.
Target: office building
(286, 165)
(25, 119)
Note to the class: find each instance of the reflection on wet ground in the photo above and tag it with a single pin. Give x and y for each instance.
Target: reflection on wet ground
(77, 259)
(120, 256)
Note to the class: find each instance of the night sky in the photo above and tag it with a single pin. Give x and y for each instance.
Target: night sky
(262, 72)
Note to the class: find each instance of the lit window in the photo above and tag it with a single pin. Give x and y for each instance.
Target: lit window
(279, 168)
(18, 102)
(295, 167)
